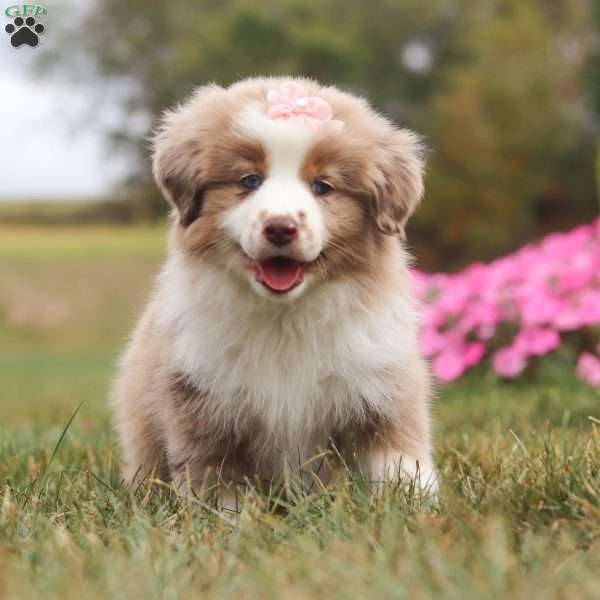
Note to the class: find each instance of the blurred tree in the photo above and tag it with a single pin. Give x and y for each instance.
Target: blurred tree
(591, 81)
(490, 83)
(502, 124)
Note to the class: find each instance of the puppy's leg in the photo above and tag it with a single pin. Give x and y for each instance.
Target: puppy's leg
(142, 451)
(138, 427)
(202, 454)
(136, 397)
(398, 445)
(198, 468)
(388, 464)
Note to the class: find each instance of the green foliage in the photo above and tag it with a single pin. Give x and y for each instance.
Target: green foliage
(498, 125)
(502, 104)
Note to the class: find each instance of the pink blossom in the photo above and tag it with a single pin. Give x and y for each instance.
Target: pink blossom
(432, 341)
(578, 277)
(537, 341)
(508, 362)
(589, 307)
(479, 315)
(569, 319)
(540, 308)
(588, 368)
(449, 365)
(486, 331)
(453, 361)
(473, 353)
(454, 298)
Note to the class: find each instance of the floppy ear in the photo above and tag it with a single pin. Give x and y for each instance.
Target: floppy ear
(178, 147)
(399, 186)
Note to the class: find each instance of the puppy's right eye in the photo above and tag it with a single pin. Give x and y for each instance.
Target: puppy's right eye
(320, 187)
(251, 182)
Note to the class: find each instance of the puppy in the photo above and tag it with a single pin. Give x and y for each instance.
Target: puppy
(283, 321)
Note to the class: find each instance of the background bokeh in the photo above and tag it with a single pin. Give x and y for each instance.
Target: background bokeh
(506, 94)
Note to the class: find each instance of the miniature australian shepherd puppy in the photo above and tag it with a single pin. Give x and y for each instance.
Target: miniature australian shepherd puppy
(283, 321)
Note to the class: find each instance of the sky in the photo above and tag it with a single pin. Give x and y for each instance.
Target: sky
(44, 153)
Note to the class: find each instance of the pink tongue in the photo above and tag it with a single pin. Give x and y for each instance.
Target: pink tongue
(279, 274)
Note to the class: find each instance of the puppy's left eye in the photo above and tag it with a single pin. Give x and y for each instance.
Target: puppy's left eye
(320, 187)
(251, 182)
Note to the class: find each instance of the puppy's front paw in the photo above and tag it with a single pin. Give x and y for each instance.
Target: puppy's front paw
(229, 500)
(389, 466)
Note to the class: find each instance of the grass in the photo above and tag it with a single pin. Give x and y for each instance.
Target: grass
(79, 212)
(518, 514)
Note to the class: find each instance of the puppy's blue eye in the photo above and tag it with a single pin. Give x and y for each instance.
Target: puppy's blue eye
(320, 187)
(251, 182)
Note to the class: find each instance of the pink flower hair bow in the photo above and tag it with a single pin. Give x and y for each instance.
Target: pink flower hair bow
(291, 101)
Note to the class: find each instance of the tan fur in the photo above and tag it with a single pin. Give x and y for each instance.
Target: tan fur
(166, 422)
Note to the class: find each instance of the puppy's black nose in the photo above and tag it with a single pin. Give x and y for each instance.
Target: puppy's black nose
(280, 230)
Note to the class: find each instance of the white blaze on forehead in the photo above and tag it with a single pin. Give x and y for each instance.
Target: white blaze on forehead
(286, 141)
(283, 192)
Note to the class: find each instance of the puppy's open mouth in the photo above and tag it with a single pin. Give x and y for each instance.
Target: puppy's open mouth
(280, 274)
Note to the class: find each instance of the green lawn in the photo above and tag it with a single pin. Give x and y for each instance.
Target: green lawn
(518, 514)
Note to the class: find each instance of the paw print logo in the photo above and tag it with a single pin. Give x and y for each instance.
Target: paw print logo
(24, 31)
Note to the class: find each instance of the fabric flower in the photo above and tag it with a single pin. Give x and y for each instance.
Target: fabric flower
(291, 101)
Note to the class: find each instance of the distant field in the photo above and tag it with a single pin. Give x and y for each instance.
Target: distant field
(518, 515)
(76, 211)
(68, 297)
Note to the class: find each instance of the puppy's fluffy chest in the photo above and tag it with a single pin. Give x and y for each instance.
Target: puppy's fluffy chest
(299, 370)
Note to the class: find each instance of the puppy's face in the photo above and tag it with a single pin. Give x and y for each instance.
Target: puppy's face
(279, 204)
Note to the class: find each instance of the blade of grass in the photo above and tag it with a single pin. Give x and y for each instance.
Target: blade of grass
(60, 441)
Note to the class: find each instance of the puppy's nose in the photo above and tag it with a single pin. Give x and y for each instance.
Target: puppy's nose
(280, 230)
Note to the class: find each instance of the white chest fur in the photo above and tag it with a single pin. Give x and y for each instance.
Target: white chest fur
(298, 367)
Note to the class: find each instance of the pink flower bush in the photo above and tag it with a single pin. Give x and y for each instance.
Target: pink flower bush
(515, 308)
